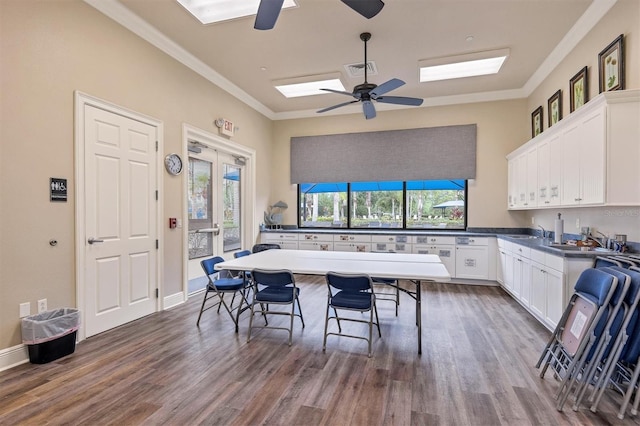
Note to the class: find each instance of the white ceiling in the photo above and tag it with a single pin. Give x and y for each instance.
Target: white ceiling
(321, 36)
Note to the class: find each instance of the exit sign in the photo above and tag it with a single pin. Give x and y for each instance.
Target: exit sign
(227, 128)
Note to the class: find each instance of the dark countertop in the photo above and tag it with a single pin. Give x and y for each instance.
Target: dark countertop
(514, 235)
(544, 244)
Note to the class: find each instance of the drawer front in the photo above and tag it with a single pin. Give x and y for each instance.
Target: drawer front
(522, 250)
(433, 240)
(538, 256)
(403, 239)
(342, 238)
(554, 262)
(343, 246)
(315, 245)
(391, 247)
(472, 241)
(316, 237)
(279, 237)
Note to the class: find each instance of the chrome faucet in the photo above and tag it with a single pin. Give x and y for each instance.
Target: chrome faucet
(544, 233)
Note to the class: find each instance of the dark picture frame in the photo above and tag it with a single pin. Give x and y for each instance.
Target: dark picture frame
(536, 122)
(554, 108)
(611, 66)
(578, 90)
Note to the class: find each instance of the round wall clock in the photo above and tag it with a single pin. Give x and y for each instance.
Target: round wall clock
(173, 164)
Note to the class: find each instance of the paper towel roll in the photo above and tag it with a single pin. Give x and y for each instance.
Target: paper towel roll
(558, 230)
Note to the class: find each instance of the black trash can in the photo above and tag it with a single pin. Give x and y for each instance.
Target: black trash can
(51, 334)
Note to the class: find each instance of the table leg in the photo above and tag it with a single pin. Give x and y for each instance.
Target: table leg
(419, 314)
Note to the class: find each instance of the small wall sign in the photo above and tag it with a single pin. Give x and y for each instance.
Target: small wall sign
(58, 189)
(227, 128)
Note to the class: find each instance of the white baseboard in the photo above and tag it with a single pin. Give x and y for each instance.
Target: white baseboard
(174, 300)
(14, 356)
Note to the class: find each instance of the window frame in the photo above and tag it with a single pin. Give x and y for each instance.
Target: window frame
(349, 204)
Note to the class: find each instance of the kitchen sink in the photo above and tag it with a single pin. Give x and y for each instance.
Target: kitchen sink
(579, 248)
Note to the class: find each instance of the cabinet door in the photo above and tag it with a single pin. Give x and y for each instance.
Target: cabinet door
(592, 159)
(555, 171)
(447, 255)
(340, 246)
(555, 297)
(516, 288)
(315, 245)
(508, 271)
(538, 303)
(525, 281)
(511, 184)
(532, 178)
(570, 167)
(521, 180)
(500, 270)
(472, 262)
(543, 173)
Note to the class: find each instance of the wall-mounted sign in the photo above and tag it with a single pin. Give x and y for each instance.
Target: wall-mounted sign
(227, 128)
(58, 189)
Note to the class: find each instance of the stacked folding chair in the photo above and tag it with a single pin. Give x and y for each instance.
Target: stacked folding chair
(618, 317)
(621, 369)
(578, 331)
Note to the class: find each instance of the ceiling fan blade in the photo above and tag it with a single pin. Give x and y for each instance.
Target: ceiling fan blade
(388, 86)
(366, 8)
(369, 109)
(400, 100)
(267, 15)
(356, 95)
(337, 106)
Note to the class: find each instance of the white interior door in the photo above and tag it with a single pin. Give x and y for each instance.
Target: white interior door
(120, 215)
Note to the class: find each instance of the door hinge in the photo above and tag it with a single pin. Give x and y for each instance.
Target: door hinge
(157, 245)
(156, 195)
(157, 293)
(156, 146)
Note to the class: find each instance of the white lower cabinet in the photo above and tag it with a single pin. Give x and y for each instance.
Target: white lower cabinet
(548, 294)
(446, 253)
(284, 240)
(472, 258)
(343, 246)
(321, 242)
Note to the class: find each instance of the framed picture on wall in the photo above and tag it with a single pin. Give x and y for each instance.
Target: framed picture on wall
(536, 122)
(578, 90)
(554, 108)
(611, 66)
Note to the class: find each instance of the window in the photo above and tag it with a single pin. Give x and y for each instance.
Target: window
(426, 204)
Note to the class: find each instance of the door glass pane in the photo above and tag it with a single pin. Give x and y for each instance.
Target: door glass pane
(232, 207)
(200, 208)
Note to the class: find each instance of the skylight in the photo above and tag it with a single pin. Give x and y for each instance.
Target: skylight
(309, 88)
(210, 11)
(471, 65)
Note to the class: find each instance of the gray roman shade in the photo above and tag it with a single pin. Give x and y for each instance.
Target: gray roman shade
(447, 152)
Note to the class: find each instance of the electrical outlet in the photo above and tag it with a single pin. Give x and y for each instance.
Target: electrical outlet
(25, 309)
(578, 223)
(42, 305)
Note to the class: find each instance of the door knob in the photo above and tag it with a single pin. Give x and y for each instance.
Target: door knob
(92, 240)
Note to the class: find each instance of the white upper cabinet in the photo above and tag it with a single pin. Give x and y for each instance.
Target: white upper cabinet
(589, 158)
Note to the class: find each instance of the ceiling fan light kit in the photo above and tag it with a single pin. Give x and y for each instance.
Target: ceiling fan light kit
(367, 92)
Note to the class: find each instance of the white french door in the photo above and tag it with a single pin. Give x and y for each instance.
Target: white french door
(117, 223)
(219, 208)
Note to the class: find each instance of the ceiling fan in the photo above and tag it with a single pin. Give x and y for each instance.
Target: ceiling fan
(268, 11)
(367, 92)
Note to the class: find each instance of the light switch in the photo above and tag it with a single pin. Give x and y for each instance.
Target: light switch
(25, 309)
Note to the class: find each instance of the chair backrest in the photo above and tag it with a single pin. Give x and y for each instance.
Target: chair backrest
(349, 282)
(597, 285)
(601, 261)
(276, 278)
(241, 254)
(262, 247)
(208, 265)
(627, 262)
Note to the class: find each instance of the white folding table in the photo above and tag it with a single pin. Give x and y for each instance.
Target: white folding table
(412, 267)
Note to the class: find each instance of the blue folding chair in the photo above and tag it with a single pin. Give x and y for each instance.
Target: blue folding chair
(592, 361)
(264, 246)
(218, 287)
(352, 293)
(622, 368)
(274, 288)
(576, 331)
(381, 289)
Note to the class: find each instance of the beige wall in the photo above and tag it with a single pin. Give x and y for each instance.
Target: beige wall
(48, 50)
(501, 129)
(623, 18)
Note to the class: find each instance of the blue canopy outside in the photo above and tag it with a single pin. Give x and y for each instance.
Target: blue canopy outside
(314, 188)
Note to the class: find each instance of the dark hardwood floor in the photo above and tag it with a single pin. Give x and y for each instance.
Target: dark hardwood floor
(477, 368)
